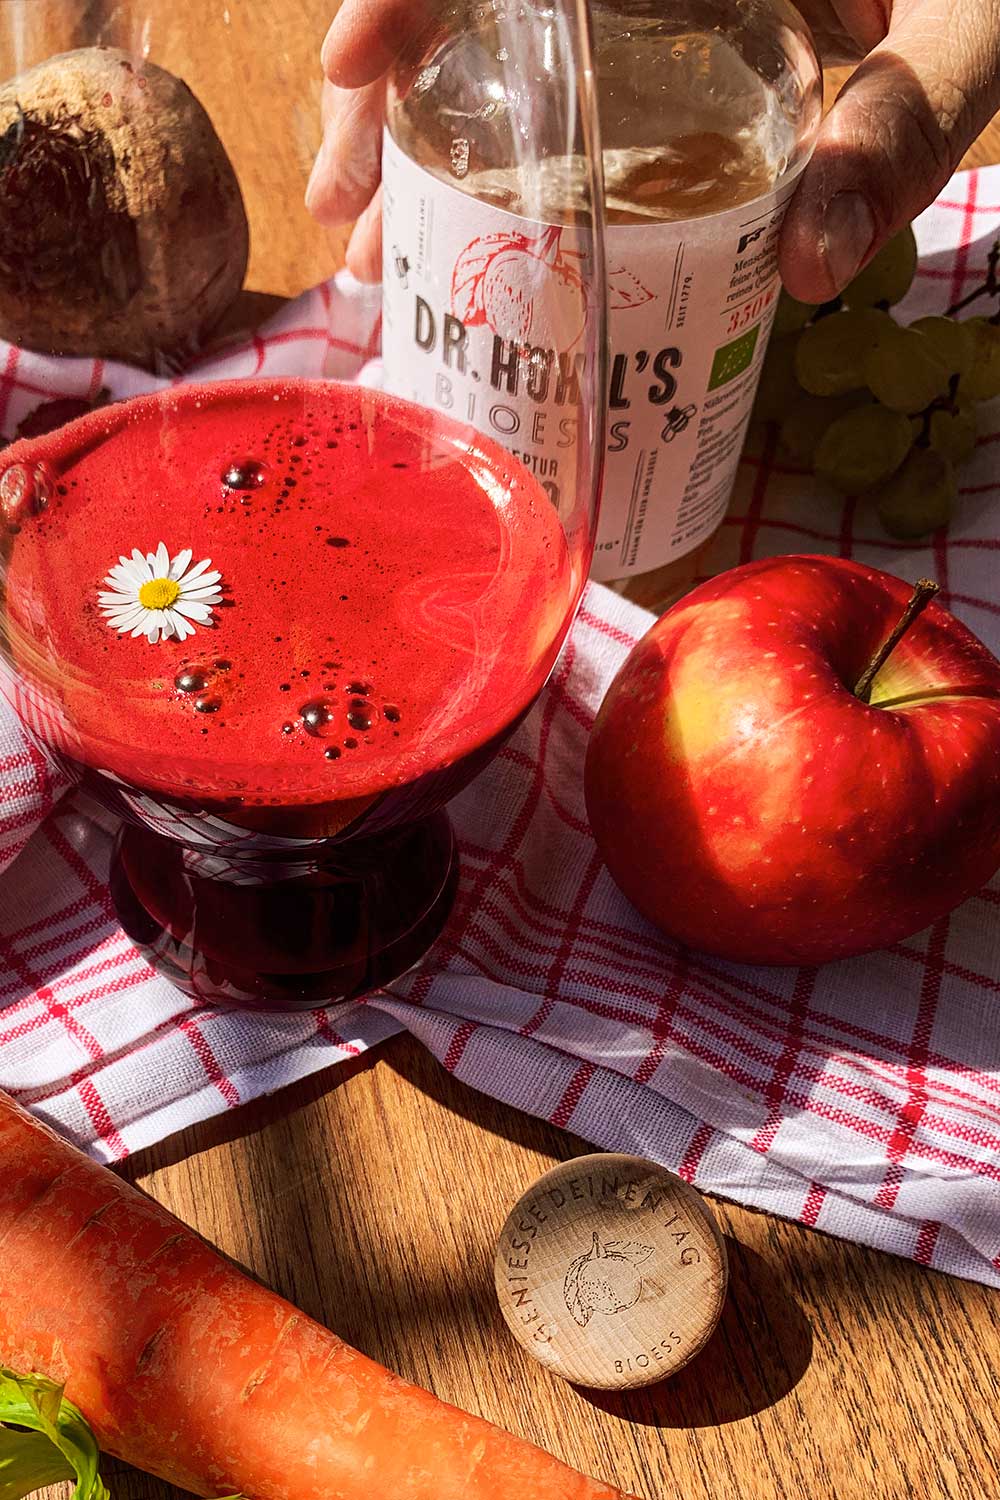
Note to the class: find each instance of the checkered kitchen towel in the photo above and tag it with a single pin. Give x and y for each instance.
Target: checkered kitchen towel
(863, 1097)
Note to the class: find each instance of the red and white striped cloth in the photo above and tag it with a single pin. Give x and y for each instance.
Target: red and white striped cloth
(863, 1098)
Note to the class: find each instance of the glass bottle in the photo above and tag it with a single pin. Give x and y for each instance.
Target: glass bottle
(708, 110)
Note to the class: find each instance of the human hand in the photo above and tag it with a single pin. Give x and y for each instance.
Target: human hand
(928, 83)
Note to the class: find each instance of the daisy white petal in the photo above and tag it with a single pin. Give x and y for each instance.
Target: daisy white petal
(180, 563)
(192, 609)
(160, 561)
(121, 579)
(198, 569)
(210, 595)
(142, 566)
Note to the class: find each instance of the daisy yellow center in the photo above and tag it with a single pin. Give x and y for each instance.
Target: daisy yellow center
(159, 593)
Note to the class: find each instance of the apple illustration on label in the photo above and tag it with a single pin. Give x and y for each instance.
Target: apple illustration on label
(799, 762)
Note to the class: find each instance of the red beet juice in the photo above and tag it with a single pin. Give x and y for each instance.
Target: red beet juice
(393, 595)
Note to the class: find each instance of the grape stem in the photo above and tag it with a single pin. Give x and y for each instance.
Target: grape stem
(989, 288)
(923, 592)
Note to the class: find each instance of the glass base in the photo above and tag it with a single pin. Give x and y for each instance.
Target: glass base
(270, 935)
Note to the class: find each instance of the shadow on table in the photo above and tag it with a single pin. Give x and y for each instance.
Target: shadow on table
(757, 1354)
(422, 1071)
(408, 1059)
(245, 1120)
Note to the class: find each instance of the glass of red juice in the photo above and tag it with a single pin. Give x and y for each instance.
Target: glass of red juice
(276, 624)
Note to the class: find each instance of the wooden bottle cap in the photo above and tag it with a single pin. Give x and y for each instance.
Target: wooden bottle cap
(611, 1271)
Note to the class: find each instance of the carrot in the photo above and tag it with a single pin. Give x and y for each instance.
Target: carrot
(185, 1367)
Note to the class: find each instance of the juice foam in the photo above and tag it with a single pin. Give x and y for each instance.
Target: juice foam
(395, 590)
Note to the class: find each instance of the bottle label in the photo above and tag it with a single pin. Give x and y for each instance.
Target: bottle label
(690, 311)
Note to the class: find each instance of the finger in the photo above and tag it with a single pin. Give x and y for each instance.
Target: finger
(364, 250)
(367, 36)
(892, 140)
(348, 166)
(844, 30)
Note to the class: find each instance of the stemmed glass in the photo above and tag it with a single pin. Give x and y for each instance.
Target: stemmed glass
(273, 623)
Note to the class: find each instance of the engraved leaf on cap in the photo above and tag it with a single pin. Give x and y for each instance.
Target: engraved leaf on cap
(629, 1250)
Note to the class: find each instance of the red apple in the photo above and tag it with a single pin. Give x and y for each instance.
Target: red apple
(750, 804)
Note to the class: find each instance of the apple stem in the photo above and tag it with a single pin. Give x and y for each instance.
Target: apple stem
(923, 592)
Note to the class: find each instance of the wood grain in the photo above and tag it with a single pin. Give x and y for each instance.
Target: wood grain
(372, 1198)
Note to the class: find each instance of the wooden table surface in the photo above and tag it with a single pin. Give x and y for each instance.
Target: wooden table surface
(372, 1198)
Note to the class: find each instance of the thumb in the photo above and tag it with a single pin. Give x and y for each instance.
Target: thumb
(895, 135)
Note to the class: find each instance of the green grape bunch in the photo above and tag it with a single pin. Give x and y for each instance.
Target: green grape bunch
(877, 408)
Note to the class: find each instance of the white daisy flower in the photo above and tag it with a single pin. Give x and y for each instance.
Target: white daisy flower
(157, 596)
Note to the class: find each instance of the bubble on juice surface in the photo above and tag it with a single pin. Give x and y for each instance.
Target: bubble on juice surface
(333, 752)
(191, 680)
(208, 704)
(391, 712)
(318, 717)
(243, 474)
(359, 715)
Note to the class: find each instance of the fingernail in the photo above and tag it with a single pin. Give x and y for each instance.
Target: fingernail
(848, 232)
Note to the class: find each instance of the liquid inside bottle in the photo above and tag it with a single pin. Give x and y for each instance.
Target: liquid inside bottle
(707, 115)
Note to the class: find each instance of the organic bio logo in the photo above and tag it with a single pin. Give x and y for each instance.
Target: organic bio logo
(604, 1279)
(503, 280)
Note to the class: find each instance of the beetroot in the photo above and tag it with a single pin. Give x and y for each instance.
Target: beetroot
(122, 228)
